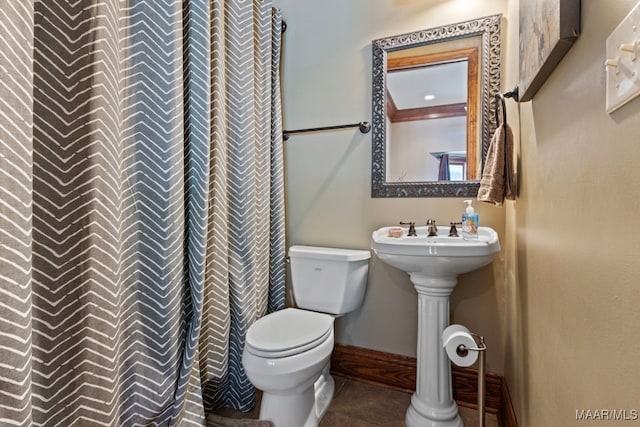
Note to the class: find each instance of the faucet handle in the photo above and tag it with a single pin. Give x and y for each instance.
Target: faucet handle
(453, 231)
(412, 228)
(431, 222)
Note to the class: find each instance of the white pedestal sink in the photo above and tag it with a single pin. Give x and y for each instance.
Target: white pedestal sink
(433, 264)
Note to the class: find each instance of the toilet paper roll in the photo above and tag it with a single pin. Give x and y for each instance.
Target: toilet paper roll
(454, 336)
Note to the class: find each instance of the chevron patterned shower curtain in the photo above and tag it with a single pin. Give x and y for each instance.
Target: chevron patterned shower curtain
(141, 207)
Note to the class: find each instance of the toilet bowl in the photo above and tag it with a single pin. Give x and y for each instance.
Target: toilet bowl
(287, 353)
(294, 379)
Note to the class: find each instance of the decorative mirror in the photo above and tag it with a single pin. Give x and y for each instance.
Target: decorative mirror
(433, 97)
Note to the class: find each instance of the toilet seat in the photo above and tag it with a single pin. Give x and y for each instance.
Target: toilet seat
(288, 332)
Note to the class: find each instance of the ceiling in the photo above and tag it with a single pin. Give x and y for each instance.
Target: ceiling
(447, 82)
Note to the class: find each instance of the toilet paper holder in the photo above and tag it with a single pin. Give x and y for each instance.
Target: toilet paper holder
(462, 351)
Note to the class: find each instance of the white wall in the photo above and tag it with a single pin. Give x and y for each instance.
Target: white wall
(327, 81)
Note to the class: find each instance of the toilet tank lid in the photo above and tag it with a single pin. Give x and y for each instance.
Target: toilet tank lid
(334, 254)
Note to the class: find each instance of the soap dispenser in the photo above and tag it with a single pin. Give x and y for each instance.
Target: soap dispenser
(470, 222)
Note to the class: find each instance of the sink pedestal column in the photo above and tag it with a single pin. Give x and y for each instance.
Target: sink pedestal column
(432, 404)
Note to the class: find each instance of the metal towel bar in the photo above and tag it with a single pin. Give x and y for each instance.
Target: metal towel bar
(364, 127)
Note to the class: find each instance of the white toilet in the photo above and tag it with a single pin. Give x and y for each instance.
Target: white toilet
(287, 353)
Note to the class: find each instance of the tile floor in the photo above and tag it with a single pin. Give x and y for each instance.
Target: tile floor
(357, 404)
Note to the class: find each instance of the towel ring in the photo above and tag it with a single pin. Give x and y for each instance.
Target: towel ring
(500, 102)
(500, 97)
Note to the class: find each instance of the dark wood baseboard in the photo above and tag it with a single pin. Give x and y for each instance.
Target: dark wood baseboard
(374, 367)
(399, 373)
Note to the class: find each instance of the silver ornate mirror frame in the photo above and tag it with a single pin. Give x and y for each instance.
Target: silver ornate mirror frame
(489, 28)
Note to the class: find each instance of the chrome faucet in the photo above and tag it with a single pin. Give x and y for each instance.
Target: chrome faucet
(432, 228)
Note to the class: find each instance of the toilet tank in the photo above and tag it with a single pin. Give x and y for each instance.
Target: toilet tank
(328, 280)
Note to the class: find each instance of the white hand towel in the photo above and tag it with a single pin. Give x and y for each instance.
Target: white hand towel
(498, 182)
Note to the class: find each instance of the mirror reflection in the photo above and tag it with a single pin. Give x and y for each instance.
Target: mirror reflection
(431, 132)
(432, 96)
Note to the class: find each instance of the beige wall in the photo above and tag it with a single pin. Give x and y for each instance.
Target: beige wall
(327, 81)
(573, 291)
(559, 306)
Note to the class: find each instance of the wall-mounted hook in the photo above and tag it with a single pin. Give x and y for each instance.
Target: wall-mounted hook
(514, 94)
(629, 47)
(612, 62)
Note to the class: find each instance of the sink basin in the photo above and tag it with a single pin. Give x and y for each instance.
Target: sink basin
(433, 264)
(435, 256)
